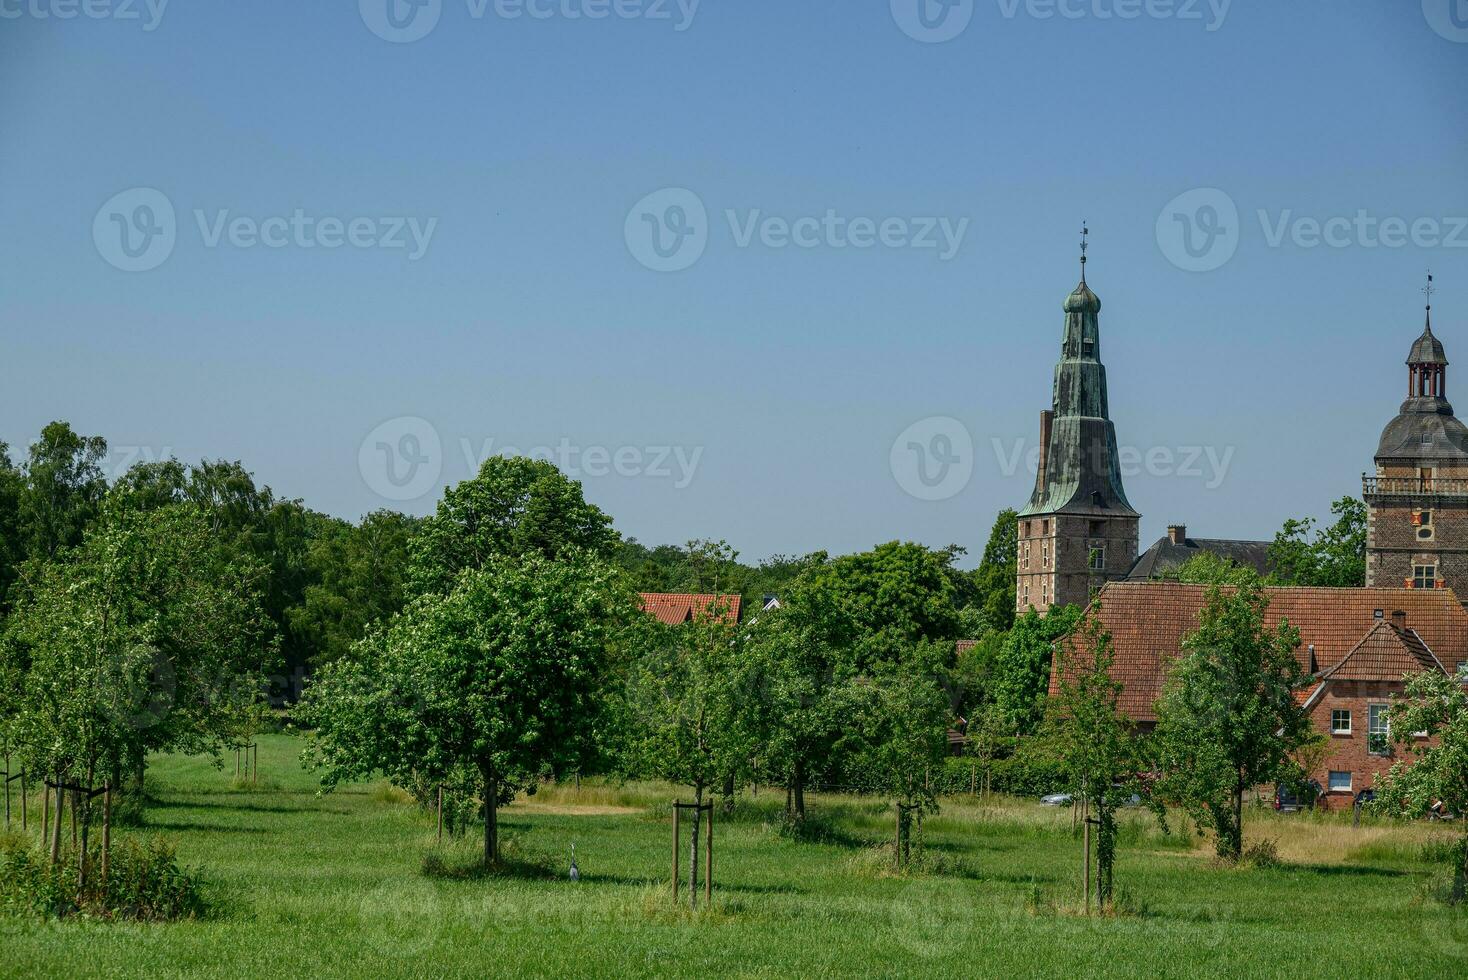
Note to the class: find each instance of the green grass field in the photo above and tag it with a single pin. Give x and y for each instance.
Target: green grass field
(334, 886)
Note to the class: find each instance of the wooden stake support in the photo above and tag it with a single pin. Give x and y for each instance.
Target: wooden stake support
(699, 810)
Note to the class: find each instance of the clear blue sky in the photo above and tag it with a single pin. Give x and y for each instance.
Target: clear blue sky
(528, 320)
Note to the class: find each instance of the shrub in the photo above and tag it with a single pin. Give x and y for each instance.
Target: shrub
(1019, 775)
(145, 883)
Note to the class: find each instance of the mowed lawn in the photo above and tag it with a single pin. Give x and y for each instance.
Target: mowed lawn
(334, 886)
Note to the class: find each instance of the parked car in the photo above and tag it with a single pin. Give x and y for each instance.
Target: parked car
(1058, 799)
(1293, 798)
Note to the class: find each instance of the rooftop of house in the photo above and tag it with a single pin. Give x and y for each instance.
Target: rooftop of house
(1149, 620)
(674, 608)
(1175, 548)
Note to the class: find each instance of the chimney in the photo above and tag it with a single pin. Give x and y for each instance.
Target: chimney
(1047, 418)
(1177, 533)
(1399, 620)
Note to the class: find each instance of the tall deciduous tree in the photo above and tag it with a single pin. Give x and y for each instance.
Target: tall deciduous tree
(1437, 773)
(147, 637)
(358, 577)
(797, 683)
(901, 728)
(514, 507)
(1021, 669)
(64, 487)
(1092, 739)
(494, 677)
(684, 698)
(1228, 719)
(1335, 557)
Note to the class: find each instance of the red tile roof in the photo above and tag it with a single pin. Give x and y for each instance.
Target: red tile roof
(675, 608)
(1384, 654)
(1149, 620)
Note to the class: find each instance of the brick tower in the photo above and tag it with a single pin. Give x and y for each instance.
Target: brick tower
(1417, 501)
(1078, 530)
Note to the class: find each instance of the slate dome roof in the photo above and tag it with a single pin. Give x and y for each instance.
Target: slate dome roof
(1427, 350)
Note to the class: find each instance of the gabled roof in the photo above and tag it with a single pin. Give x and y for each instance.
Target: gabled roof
(1166, 556)
(1384, 654)
(1149, 620)
(674, 608)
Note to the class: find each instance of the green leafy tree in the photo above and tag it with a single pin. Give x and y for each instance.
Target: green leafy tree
(357, 577)
(493, 680)
(1333, 558)
(902, 734)
(798, 680)
(64, 487)
(1206, 568)
(514, 507)
(995, 576)
(1021, 671)
(250, 521)
(1437, 773)
(895, 595)
(1228, 719)
(147, 638)
(1087, 732)
(684, 696)
(12, 542)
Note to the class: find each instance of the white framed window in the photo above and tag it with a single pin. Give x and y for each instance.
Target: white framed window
(1340, 782)
(1340, 722)
(1097, 559)
(1378, 729)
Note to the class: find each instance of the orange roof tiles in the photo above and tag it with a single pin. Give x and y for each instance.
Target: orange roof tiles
(675, 608)
(1149, 620)
(1384, 654)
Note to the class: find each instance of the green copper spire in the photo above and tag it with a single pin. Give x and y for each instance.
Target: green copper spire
(1079, 468)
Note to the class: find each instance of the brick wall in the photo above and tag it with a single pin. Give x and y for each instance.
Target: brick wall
(1058, 548)
(1351, 753)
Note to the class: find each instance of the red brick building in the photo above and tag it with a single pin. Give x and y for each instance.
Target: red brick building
(1356, 644)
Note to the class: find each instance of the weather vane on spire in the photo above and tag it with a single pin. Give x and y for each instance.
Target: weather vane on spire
(1428, 290)
(1085, 232)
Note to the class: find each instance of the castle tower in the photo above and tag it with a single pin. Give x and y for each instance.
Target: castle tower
(1417, 501)
(1078, 530)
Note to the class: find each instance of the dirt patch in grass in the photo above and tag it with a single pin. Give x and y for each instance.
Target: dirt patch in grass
(572, 809)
